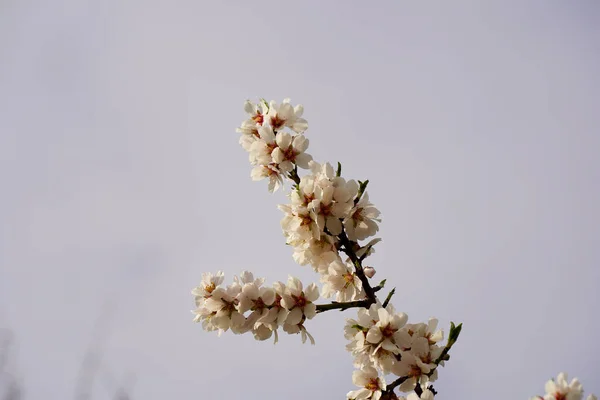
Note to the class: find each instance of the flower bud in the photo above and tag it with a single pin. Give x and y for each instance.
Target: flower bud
(369, 272)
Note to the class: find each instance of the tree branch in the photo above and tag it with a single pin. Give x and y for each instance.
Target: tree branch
(348, 249)
(334, 305)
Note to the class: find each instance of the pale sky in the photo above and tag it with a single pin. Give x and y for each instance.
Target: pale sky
(476, 123)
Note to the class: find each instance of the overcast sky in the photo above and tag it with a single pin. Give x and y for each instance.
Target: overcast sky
(121, 180)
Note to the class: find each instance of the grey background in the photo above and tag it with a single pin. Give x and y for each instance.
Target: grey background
(122, 181)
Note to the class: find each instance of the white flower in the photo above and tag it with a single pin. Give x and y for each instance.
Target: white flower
(362, 221)
(318, 253)
(286, 115)
(249, 131)
(248, 277)
(299, 225)
(222, 302)
(376, 337)
(560, 389)
(204, 314)
(417, 363)
(209, 283)
(342, 282)
(255, 111)
(427, 331)
(271, 172)
(299, 328)
(275, 317)
(299, 302)
(291, 150)
(255, 298)
(262, 148)
(370, 383)
(356, 332)
(387, 332)
(328, 196)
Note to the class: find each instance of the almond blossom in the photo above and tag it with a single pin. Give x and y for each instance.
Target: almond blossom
(326, 218)
(284, 115)
(561, 389)
(342, 282)
(362, 221)
(370, 383)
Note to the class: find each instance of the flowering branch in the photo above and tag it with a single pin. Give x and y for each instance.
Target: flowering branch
(324, 223)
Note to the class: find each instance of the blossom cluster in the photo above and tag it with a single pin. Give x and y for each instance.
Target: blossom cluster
(323, 208)
(247, 306)
(273, 151)
(328, 216)
(380, 339)
(561, 389)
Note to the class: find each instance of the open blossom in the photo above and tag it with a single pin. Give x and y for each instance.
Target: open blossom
(261, 150)
(285, 114)
(387, 332)
(255, 112)
(270, 172)
(561, 389)
(370, 383)
(299, 328)
(332, 197)
(298, 301)
(299, 225)
(209, 283)
(318, 253)
(417, 363)
(249, 131)
(291, 150)
(341, 281)
(427, 331)
(362, 221)
(376, 337)
(222, 304)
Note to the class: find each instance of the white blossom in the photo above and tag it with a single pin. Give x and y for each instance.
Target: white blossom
(417, 363)
(285, 114)
(561, 389)
(318, 253)
(376, 337)
(299, 225)
(299, 302)
(209, 283)
(270, 172)
(291, 150)
(370, 383)
(342, 282)
(362, 221)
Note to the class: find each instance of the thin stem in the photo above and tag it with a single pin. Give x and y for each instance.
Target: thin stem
(390, 388)
(348, 247)
(343, 306)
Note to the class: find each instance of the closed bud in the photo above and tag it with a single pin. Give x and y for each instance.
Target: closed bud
(369, 272)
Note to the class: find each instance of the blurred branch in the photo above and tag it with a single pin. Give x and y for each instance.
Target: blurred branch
(92, 358)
